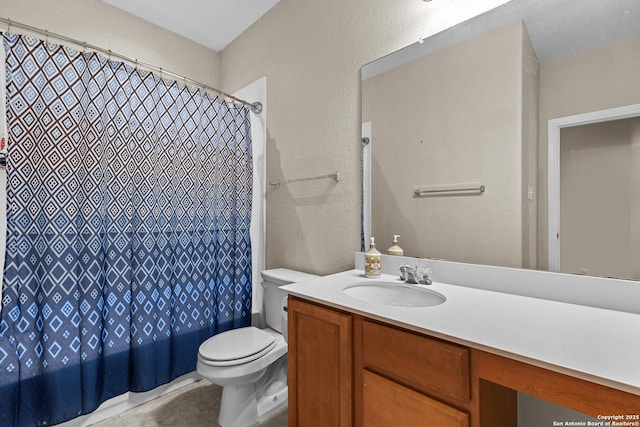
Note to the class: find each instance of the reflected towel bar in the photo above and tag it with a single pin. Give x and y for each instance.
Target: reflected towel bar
(335, 176)
(449, 190)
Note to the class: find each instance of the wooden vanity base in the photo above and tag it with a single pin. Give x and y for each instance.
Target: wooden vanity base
(565, 390)
(349, 370)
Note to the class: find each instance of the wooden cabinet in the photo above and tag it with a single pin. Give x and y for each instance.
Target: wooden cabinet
(346, 369)
(414, 359)
(320, 366)
(406, 378)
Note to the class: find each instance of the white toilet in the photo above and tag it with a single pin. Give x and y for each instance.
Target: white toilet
(250, 363)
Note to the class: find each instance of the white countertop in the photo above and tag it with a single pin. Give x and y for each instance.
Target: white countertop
(595, 344)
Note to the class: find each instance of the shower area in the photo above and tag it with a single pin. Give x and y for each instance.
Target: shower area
(134, 223)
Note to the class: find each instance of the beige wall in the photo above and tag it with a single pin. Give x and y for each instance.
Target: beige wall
(598, 184)
(311, 52)
(453, 116)
(100, 24)
(530, 108)
(598, 79)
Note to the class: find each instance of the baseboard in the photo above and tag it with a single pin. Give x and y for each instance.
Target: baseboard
(126, 401)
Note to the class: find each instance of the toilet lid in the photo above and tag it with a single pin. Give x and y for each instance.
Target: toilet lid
(236, 346)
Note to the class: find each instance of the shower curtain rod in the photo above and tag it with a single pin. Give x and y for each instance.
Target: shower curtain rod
(256, 107)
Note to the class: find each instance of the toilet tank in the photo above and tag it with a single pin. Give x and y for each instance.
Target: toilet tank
(273, 295)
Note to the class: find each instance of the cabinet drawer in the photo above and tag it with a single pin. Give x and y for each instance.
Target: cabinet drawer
(386, 403)
(417, 360)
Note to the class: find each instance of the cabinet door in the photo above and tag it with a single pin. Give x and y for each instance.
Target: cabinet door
(387, 404)
(320, 366)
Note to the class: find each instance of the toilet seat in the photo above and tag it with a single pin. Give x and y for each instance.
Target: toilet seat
(236, 346)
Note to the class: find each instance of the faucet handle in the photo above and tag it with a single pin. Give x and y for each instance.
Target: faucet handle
(423, 273)
(403, 271)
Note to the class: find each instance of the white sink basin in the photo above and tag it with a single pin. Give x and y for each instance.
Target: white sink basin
(394, 293)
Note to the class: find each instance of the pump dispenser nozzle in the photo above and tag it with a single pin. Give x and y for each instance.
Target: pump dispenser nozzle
(395, 249)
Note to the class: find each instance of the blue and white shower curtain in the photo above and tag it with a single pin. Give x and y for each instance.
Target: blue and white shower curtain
(129, 205)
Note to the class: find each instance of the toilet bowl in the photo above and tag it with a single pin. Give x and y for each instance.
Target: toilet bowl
(250, 363)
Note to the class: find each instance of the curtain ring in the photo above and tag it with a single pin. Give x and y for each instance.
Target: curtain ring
(109, 58)
(136, 65)
(46, 36)
(9, 26)
(84, 47)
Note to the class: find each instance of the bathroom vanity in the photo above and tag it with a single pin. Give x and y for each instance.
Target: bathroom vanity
(459, 363)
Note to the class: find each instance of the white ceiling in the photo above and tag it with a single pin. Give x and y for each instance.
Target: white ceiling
(212, 23)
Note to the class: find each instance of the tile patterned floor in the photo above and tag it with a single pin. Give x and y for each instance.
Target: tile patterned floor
(195, 405)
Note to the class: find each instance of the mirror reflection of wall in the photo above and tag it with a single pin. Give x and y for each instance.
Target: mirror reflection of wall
(365, 171)
(597, 79)
(600, 199)
(452, 117)
(472, 104)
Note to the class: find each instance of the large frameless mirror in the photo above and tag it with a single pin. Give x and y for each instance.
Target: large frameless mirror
(511, 140)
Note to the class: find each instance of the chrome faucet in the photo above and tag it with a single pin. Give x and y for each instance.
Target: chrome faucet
(416, 275)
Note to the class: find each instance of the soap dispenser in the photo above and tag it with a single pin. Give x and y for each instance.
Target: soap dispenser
(373, 261)
(395, 249)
